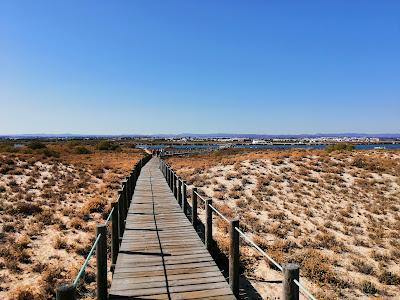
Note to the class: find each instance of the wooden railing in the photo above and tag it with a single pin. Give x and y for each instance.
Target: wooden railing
(117, 216)
(291, 281)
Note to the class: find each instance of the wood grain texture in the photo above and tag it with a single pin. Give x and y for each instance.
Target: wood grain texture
(161, 255)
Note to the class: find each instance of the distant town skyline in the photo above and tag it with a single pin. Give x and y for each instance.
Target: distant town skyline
(167, 67)
(207, 135)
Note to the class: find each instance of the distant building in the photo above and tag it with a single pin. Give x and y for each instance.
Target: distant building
(260, 142)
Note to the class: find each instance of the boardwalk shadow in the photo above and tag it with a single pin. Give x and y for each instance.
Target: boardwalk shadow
(128, 298)
(145, 253)
(143, 229)
(247, 291)
(142, 214)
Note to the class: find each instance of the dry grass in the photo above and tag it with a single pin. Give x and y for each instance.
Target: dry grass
(337, 214)
(49, 204)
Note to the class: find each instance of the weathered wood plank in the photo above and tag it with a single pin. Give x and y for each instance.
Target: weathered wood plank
(174, 289)
(132, 283)
(186, 272)
(153, 278)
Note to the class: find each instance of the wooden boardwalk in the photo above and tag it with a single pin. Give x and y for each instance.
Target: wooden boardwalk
(161, 255)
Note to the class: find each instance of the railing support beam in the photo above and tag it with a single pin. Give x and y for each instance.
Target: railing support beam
(208, 226)
(179, 192)
(121, 217)
(290, 290)
(175, 186)
(101, 262)
(184, 200)
(234, 257)
(167, 176)
(66, 292)
(114, 236)
(194, 207)
(126, 183)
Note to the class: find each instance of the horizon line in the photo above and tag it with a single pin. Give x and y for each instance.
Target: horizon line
(198, 134)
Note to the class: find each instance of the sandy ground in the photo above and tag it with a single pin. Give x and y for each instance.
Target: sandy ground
(336, 214)
(48, 212)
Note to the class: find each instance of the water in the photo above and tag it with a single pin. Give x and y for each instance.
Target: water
(320, 146)
(162, 146)
(295, 146)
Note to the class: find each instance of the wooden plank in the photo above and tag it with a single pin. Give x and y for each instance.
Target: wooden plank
(201, 274)
(167, 263)
(186, 272)
(170, 267)
(223, 293)
(132, 283)
(174, 289)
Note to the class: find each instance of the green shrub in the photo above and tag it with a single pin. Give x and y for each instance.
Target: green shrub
(34, 145)
(368, 288)
(389, 278)
(74, 143)
(82, 150)
(50, 153)
(363, 267)
(7, 147)
(107, 145)
(359, 162)
(339, 147)
(26, 208)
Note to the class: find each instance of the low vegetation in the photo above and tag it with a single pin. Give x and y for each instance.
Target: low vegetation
(107, 145)
(339, 147)
(336, 213)
(52, 194)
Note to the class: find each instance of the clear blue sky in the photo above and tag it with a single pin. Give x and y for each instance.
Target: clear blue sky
(117, 67)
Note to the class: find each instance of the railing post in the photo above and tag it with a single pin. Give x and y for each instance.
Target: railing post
(133, 181)
(179, 191)
(121, 213)
(184, 200)
(194, 207)
(290, 289)
(208, 225)
(175, 186)
(172, 182)
(126, 195)
(130, 184)
(114, 236)
(123, 197)
(234, 257)
(66, 292)
(101, 262)
(170, 179)
(167, 175)
(128, 189)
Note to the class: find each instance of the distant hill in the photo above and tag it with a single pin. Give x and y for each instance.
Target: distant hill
(199, 135)
(270, 136)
